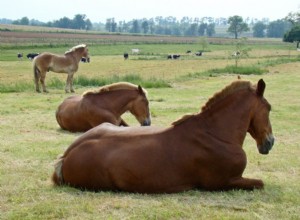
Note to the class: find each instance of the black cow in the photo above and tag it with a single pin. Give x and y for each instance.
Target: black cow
(174, 56)
(126, 56)
(85, 59)
(198, 53)
(189, 51)
(20, 55)
(32, 55)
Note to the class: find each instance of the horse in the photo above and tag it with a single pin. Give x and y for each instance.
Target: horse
(199, 151)
(107, 104)
(67, 63)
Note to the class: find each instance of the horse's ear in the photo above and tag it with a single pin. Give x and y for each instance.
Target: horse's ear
(141, 91)
(261, 85)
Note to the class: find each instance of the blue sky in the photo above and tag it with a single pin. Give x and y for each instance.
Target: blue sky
(100, 10)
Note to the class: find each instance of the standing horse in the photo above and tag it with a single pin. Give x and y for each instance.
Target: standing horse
(107, 104)
(67, 63)
(203, 150)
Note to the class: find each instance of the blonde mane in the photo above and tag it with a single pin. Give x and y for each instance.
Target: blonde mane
(113, 87)
(75, 48)
(228, 90)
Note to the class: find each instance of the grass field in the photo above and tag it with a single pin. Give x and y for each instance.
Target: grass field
(31, 139)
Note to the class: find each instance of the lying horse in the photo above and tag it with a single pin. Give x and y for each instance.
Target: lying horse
(67, 63)
(203, 150)
(107, 104)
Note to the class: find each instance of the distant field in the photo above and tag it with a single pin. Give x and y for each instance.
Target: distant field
(31, 139)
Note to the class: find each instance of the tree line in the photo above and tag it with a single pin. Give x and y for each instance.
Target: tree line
(186, 26)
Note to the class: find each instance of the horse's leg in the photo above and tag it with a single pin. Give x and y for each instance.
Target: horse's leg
(43, 77)
(246, 184)
(69, 83)
(37, 76)
(36, 81)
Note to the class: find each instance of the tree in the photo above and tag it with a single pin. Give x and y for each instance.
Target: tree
(203, 42)
(111, 25)
(145, 26)
(192, 30)
(236, 25)
(79, 21)
(294, 18)
(135, 27)
(210, 30)
(63, 23)
(22, 21)
(240, 50)
(278, 28)
(293, 35)
(259, 29)
(202, 28)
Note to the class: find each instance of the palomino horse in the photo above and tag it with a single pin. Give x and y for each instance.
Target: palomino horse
(67, 63)
(107, 104)
(202, 151)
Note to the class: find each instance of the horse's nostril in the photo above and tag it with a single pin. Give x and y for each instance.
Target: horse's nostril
(147, 122)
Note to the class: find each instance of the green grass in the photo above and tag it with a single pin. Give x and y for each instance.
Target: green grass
(31, 140)
(83, 81)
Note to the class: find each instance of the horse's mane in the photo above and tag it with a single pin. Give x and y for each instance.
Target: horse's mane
(182, 119)
(75, 48)
(113, 87)
(228, 90)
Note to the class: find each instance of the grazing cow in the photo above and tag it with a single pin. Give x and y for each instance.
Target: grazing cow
(198, 53)
(173, 56)
(20, 55)
(126, 56)
(237, 53)
(188, 51)
(85, 59)
(31, 56)
(135, 51)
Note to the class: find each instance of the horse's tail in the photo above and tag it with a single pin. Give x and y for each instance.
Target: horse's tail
(57, 176)
(36, 71)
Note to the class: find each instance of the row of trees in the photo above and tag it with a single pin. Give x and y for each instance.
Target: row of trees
(80, 21)
(188, 27)
(168, 26)
(171, 26)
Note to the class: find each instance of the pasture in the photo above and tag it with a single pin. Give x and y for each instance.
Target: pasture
(31, 139)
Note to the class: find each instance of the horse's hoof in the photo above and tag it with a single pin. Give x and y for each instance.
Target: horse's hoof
(38, 91)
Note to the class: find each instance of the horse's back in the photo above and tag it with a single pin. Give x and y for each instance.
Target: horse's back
(69, 115)
(118, 158)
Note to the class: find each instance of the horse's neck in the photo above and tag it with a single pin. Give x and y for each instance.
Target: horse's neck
(73, 55)
(229, 119)
(120, 100)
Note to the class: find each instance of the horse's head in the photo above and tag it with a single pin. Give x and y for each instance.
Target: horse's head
(140, 108)
(85, 52)
(260, 126)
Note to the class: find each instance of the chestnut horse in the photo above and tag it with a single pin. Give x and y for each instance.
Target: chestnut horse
(202, 150)
(107, 104)
(67, 63)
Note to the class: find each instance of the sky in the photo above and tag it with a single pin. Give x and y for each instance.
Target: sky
(127, 10)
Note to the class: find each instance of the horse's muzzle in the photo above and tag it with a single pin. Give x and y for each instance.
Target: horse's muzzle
(147, 122)
(267, 145)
